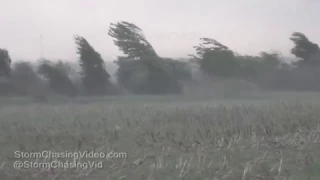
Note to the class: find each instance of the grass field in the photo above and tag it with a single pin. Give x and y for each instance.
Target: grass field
(275, 136)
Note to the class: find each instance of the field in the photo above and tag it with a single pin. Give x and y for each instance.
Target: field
(272, 137)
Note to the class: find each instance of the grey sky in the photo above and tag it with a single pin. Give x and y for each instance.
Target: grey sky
(173, 27)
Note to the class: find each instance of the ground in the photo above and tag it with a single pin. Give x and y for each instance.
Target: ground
(275, 136)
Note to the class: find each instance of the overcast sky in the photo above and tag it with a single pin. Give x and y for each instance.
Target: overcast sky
(173, 27)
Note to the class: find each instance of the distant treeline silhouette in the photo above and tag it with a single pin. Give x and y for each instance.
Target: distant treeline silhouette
(142, 71)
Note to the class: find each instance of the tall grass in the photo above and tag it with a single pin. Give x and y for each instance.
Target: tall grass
(267, 141)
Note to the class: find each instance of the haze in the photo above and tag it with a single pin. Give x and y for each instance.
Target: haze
(172, 27)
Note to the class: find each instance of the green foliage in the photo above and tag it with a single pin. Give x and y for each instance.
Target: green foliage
(304, 49)
(270, 60)
(24, 71)
(58, 80)
(95, 78)
(131, 41)
(250, 66)
(65, 68)
(160, 81)
(25, 77)
(215, 58)
(5, 62)
(142, 71)
(254, 66)
(131, 74)
(6, 85)
(179, 69)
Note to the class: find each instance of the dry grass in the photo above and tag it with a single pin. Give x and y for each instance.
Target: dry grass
(272, 141)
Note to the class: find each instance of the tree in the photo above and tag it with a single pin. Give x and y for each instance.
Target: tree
(215, 58)
(95, 78)
(270, 60)
(131, 74)
(25, 78)
(250, 67)
(58, 81)
(5, 62)
(303, 49)
(65, 68)
(6, 85)
(131, 41)
(179, 69)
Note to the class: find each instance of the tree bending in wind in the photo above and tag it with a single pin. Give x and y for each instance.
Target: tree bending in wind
(5, 62)
(215, 58)
(95, 78)
(131, 41)
(304, 49)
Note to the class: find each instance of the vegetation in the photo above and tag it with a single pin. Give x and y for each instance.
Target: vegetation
(304, 49)
(194, 130)
(94, 76)
(5, 72)
(5, 62)
(58, 79)
(215, 59)
(142, 71)
(155, 77)
(168, 139)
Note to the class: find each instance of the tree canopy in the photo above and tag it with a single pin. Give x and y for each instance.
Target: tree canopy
(304, 49)
(215, 58)
(5, 62)
(95, 78)
(130, 39)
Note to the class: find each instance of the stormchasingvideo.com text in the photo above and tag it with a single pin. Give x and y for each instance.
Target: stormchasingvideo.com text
(63, 160)
(69, 155)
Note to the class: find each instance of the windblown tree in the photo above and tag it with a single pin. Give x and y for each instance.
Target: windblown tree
(215, 59)
(6, 85)
(5, 62)
(155, 78)
(304, 49)
(269, 70)
(25, 78)
(179, 69)
(305, 76)
(95, 78)
(250, 67)
(270, 60)
(131, 74)
(65, 68)
(58, 80)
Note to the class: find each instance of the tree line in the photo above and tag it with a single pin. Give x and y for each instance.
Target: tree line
(142, 71)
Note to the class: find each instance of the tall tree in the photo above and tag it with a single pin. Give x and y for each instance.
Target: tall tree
(131, 41)
(65, 68)
(5, 62)
(131, 74)
(95, 78)
(215, 58)
(270, 60)
(58, 80)
(304, 49)
(178, 68)
(25, 77)
(6, 86)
